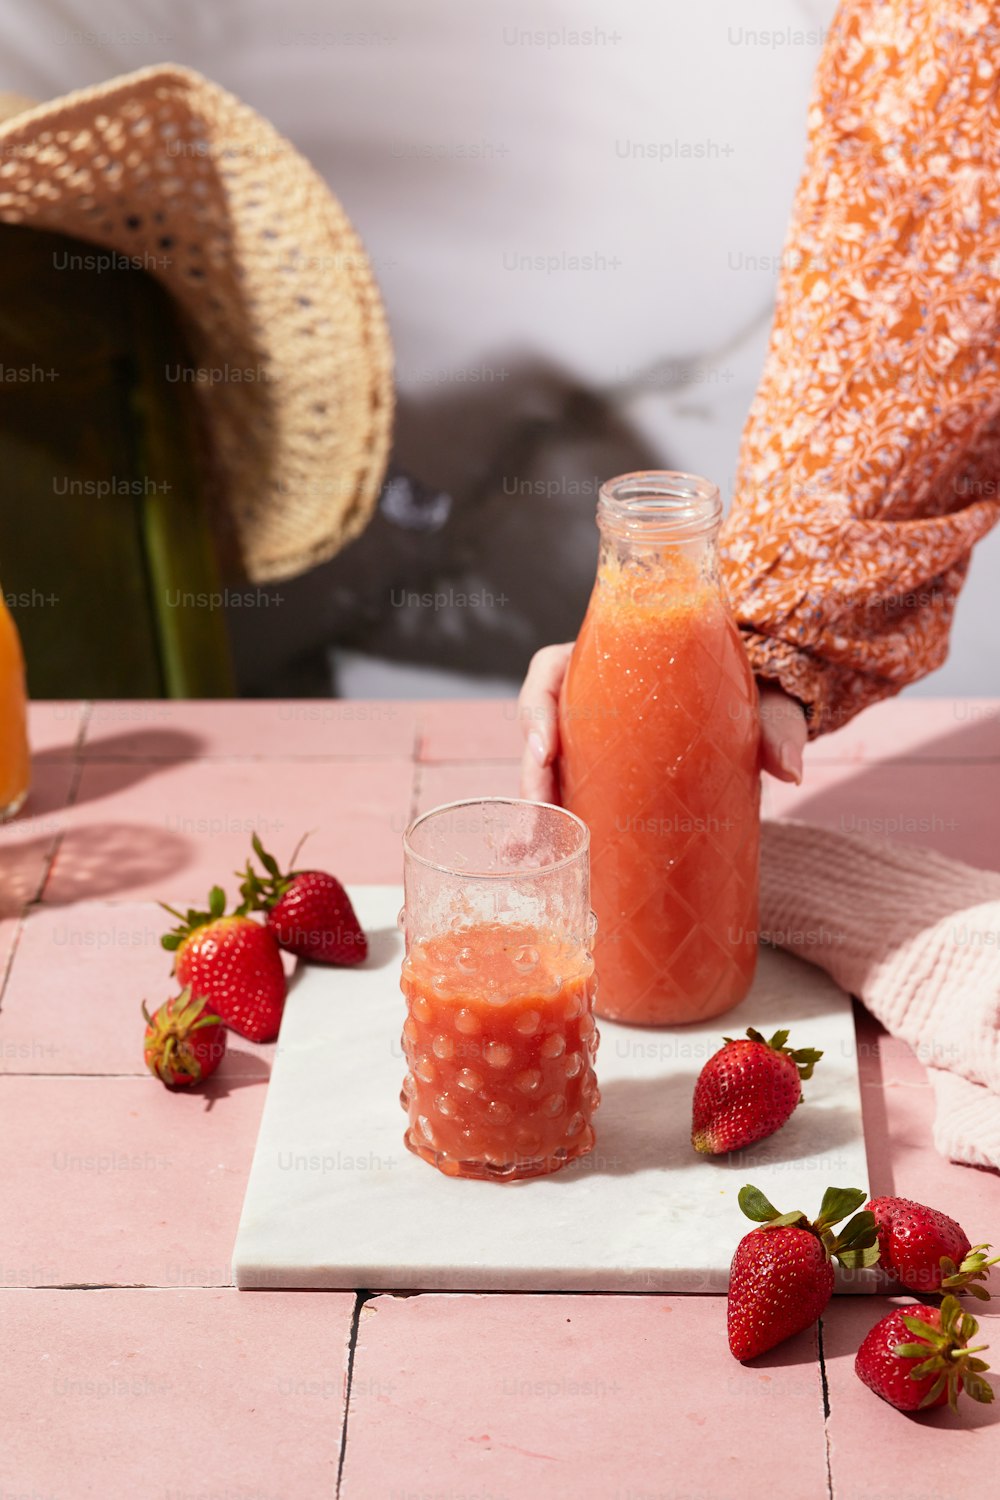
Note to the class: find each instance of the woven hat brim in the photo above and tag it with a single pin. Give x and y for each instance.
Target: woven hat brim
(293, 362)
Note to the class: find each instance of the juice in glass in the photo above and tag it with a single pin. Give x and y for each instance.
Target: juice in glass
(660, 756)
(15, 765)
(499, 1035)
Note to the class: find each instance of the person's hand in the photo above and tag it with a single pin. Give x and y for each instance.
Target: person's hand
(783, 733)
(783, 726)
(538, 712)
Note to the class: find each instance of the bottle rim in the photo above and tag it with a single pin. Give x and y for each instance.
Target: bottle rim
(667, 504)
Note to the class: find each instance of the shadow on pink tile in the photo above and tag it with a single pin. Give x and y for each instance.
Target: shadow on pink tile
(170, 747)
(916, 728)
(878, 1451)
(898, 1112)
(27, 841)
(74, 993)
(185, 827)
(99, 858)
(260, 728)
(953, 808)
(54, 726)
(169, 1395)
(116, 856)
(884, 1060)
(969, 1194)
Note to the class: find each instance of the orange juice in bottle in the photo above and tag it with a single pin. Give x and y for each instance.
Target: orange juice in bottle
(660, 756)
(15, 766)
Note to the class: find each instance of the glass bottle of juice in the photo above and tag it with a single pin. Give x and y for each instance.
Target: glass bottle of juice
(660, 752)
(15, 766)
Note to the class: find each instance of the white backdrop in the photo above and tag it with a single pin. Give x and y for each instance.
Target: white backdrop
(477, 144)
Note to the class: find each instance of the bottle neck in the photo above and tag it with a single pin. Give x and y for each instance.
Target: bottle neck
(660, 505)
(659, 532)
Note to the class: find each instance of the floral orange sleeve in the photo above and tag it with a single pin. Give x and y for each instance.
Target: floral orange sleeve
(870, 462)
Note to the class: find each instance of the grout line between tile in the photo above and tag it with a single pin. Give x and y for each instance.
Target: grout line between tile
(123, 1286)
(365, 756)
(371, 758)
(897, 1083)
(15, 944)
(905, 760)
(81, 733)
(51, 852)
(486, 760)
(362, 757)
(136, 1074)
(826, 1408)
(360, 1299)
(71, 796)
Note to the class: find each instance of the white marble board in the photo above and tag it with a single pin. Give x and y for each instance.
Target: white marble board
(335, 1200)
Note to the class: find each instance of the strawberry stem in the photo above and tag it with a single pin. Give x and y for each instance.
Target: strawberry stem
(855, 1246)
(804, 1058)
(189, 921)
(261, 892)
(298, 847)
(973, 1270)
(946, 1350)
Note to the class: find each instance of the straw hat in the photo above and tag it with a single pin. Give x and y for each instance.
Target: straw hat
(293, 369)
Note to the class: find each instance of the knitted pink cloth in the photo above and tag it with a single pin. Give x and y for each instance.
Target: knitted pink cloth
(916, 936)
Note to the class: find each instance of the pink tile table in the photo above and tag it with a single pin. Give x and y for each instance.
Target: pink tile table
(131, 1365)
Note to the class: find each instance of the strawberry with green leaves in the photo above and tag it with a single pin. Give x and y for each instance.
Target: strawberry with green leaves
(747, 1090)
(927, 1251)
(233, 962)
(308, 911)
(781, 1276)
(184, 1042)
(917, 1358)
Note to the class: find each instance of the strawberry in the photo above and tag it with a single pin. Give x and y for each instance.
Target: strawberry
(926, 1250)
(185, 1041)
(747, 1090)
(234, 963)
(781, 1277)
(308, 911)
(919, 1357)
